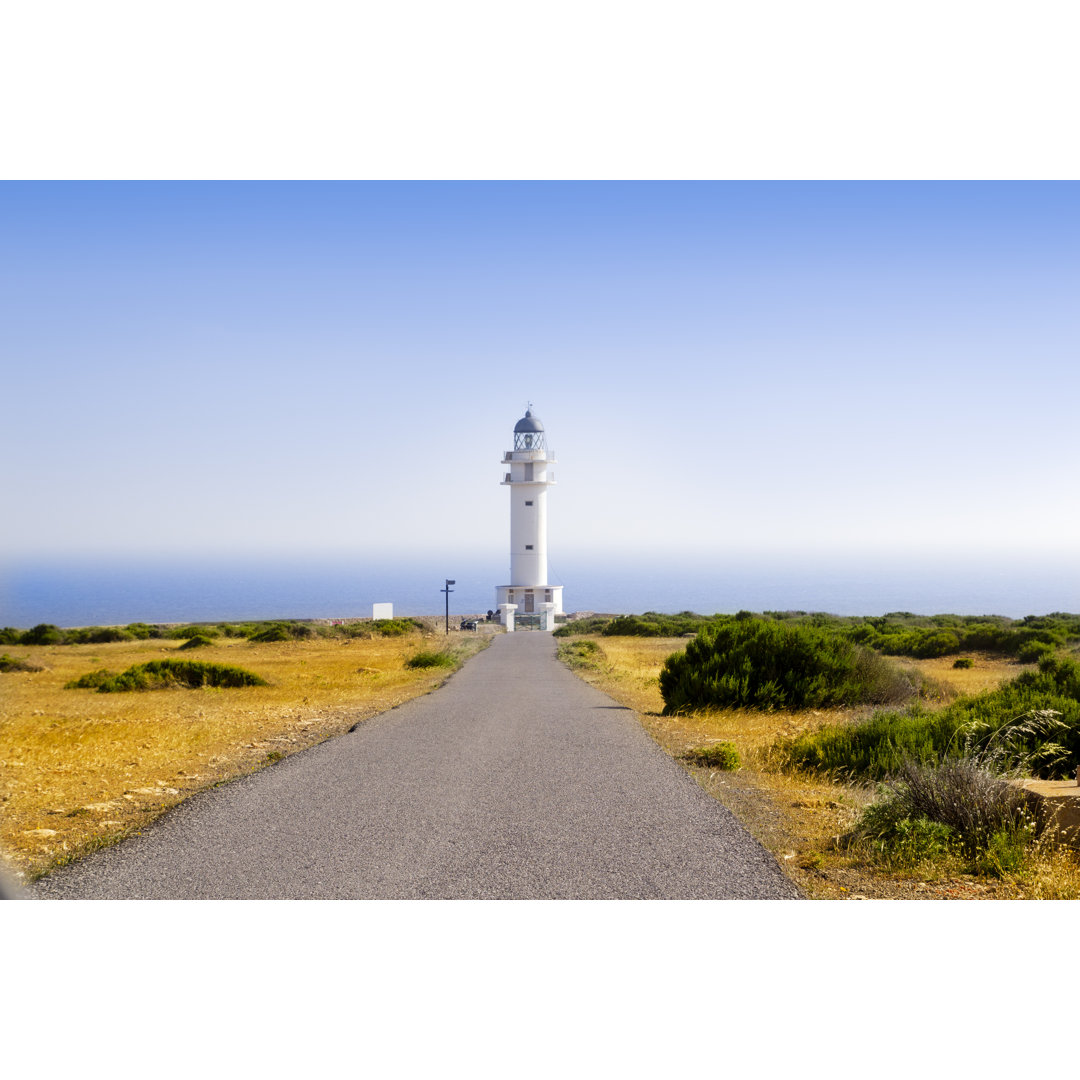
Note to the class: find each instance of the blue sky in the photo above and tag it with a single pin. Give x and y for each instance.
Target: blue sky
(225, 369)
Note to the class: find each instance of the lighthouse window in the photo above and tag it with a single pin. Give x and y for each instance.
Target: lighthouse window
(528, 502)
(528, 547)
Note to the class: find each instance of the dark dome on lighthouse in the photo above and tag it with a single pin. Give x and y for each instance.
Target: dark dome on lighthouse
(528, 423)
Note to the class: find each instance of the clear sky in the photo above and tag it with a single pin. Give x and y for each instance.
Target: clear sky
(225, 369)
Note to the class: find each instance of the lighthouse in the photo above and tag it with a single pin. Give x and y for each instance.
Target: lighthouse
(529, 478)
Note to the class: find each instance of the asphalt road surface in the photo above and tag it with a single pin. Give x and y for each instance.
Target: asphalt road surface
(515, 780)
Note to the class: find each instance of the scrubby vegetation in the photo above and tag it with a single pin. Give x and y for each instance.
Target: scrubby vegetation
(271, 630)
(580, 652)
(720, 755)
(759, 663)
(1032, 721)
(429, 658)
(165, 675)
(196, 641)
(192, 631)
(956, 806)
(898, 633)
(395, 627)
(11, 663)
(650, 624)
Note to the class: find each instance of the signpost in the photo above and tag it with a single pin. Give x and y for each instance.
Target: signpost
(448, 591)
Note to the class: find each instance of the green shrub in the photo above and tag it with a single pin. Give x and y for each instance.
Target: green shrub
(722, 755)
(10, 636)
(142, 631)
(1004, 852)
(42, 634)
(167, 674)
(902, 841)
(11, 663)
(91, 681)
(580, 653)
(193, 631)
(763, 664)
(1031, 724)
(1031, 652)
(280, 631)
(101, 635)
(395, 627)
(957, 804)
(593, 625)
(196, 642)
(963, 662)
(429, 659)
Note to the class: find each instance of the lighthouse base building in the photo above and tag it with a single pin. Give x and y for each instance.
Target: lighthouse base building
(529, 478)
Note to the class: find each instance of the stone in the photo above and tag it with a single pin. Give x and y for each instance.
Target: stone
(1057, 807)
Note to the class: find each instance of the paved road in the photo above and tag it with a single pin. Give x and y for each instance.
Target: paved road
(515, 780)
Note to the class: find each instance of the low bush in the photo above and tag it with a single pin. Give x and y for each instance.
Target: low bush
(395, 627)
(580, 653)
(42, 634)
(1031, 652)
(280, 631)
(196, 642)
(193, 631)
(963, 662)
(11, 663)
(649, 624)
(594, 624)
(722, 755)
(91, 681)
(10, 636)
(957, 805)
(97, 635)
(428, 659)
(759, 663)
(1030, 724)
(901, 841)
(167, 674)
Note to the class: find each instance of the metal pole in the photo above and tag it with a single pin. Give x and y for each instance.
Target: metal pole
(448, 591)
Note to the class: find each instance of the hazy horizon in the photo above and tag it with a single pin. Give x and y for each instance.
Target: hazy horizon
(117, 591)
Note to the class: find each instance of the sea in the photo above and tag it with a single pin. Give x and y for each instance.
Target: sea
(110, 592)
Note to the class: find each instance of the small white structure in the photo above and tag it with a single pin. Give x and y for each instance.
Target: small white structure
(528, 479)
(382, 611)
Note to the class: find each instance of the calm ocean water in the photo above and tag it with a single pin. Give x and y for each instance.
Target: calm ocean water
(172, 591)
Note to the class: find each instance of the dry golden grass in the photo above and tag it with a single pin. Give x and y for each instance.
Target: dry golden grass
(798, 817)
(988, 673)
(79, 769)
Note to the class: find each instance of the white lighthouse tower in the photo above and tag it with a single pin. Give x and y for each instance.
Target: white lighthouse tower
(528, 479)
